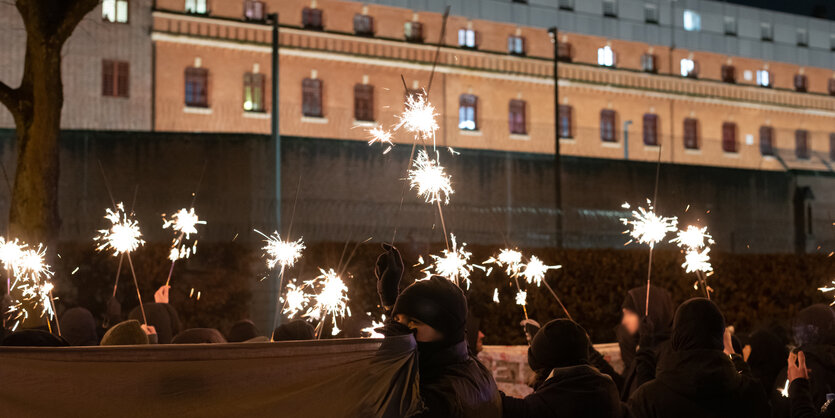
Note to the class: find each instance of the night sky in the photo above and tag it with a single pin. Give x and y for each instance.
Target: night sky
(818, 8)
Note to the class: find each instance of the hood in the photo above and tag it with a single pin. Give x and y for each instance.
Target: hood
(698, 326)
(661, 306)
(199, 336)
(162, 317)
(814, 325)
(79, 327)
(699, 374)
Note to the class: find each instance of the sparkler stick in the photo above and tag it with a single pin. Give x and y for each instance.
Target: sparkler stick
(558, 299)
(184, 221)
(692, 240)
(122, 237)
(57, 321)
(138, 295)
(284, 254)
(648, 228)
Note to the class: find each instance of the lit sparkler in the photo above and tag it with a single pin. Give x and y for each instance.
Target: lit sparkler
(372, 330)
(332, 299)
(280, 252)
(496, 295)
(184, 222)
(647, 227)
(452, 264)
(429, 178)
(697, 261)
(295, 300)
(419, 117)
(510, 259)
(10, 253)
(534, 271)
(785, 389)
(693, 237)
(123, 236)
(521, 297)
(378, 134)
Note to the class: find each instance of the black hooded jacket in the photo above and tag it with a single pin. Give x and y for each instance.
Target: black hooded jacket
(642, 363)
(576, 391)
(697, 379)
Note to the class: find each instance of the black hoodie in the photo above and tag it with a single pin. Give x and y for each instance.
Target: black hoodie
(697, 379)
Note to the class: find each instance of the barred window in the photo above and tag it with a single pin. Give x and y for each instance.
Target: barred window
(650, 129)
(517, 117)
(197, 86)
(691, 133)
(766, 140)
(312, 97)
(364, 102)
(607, 125)
(729, 137)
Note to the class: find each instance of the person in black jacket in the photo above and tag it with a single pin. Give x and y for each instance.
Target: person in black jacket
(814, 333)
(452, 383)
(643, 338)
(572, 388)
(800, 392)
(697, 378)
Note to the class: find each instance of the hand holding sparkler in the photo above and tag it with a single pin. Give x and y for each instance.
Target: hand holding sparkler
(389, 272)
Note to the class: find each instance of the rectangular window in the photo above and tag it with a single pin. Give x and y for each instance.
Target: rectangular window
(413, 31)
(253, 92)
(566, 5)
(516, 45)
(763, 78)
(766, 32)
(312, 97)
(517, 117)
(114, 11)
(651, 13)
(802, 37)
(650, 129)
(607, 125)
(831, 86)
(832, 146)
(115, 78)
(729, 74)
(689, 68)
(801, 142)
(564, 52)
(605, 56)
(766, 140)
(565, 121)
(364, 102)
(312, 18)
(729, 137)
(363, 25)
(468, 112)
(610, 8)
(254, 10)
(648, 63)
(196, 6)
(692, 21)
(691, 133)
(467, 38)
(197, 87)
(800, 82)
(730, 26)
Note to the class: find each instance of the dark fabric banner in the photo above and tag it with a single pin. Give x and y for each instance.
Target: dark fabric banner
(329, 378)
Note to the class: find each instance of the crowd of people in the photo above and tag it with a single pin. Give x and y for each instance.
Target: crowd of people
(679, 361)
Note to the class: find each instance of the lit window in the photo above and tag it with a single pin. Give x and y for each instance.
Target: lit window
(413, 31)
(692, 21)
(466, 38)
(516, 45)
(114, 11)
(196, 6)
(763, 78)
(253, 92)
(689, 68)
(565, 121)
(467, 112)
(605, 56)
(254, 10)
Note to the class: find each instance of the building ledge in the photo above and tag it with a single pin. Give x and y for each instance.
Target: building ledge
(727, 154)
(197, 110)
(365, 123)
(567, 140)
(257, 115)
(692, 151)
(520, 137)
(466, 132)
(314, 119)
(606, 144)
(653, 148)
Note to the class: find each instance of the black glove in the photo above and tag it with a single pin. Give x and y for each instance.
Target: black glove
(646, 330)
(389, 270)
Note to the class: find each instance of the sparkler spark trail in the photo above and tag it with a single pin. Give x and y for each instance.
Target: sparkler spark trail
(430, 180)
(378, 134)
(332, 299)
(32, 276)
(280, 252)
(696, 243)
(372, 330)
(419, 117)
(647, 227)
(10, 253)
(452, 264)
(534, 271)
(123, 236)
(521, 297)
(510, 259)
(295, 301)
(496, 295)
(184, 222)
(695, 261)
(693, 237)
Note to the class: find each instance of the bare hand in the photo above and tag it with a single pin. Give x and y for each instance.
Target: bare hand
(149, 329)
(797, 366)
(161, 296)
(728, 342)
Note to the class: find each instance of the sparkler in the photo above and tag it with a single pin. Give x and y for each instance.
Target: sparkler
(496, 295)
(510, 259)
(283, 254)
(452, 264)
(695, 242)
(184, 222)
(648, 228)
(535, 269)
(378, 134)
(295, 301)
(32, 276)
(521, 298)
(372, 330)
(123, 237)
(419, 117)
(332, 299)
(430, 180)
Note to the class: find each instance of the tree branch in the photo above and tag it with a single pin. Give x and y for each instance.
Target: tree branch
(76, 11)
(9, 98)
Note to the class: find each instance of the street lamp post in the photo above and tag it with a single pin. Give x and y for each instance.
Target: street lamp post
(276, 135)
(626, 139)
(554, 32)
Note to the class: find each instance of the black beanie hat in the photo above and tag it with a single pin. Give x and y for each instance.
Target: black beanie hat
(814, 325)
(295, 330)
(698, 326)
(241, 331)
(560, 343)
(436, 302)
(33, 338)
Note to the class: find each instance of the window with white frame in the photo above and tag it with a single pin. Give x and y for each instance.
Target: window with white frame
(468, 112)
(466, 38)
(516, 45)
(689, 68)
(605, 56)
(196, 6)
(114, 11)
(692, 21)
(763, 78)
